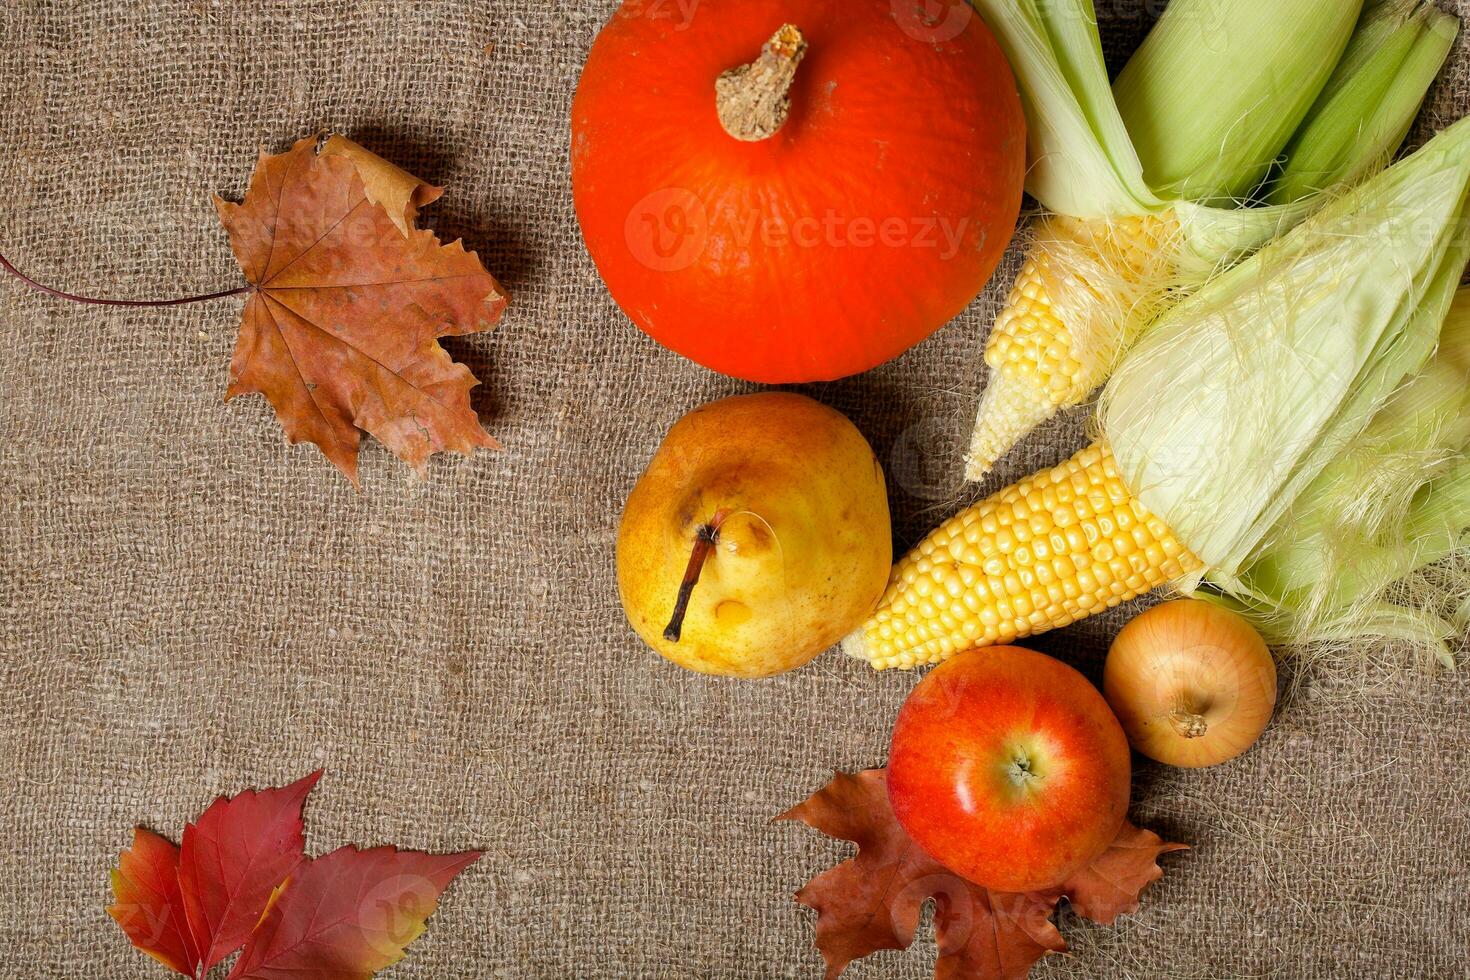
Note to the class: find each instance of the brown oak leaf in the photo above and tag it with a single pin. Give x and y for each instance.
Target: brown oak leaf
(873, 901)
(341, 332)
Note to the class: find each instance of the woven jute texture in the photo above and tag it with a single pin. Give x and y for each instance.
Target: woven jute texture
(188, 606)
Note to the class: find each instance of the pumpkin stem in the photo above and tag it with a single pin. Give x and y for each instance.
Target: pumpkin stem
(705, 539)
(754, 100)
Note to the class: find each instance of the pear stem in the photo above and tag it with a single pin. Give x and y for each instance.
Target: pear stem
(705, 539)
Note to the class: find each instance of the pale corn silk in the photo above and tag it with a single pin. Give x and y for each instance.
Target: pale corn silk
(190, 606)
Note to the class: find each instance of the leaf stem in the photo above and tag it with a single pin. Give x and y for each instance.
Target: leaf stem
(98, 301)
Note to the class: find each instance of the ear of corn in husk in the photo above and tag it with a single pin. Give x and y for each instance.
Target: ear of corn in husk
(1216, 90)
(1241, 433)
(1365, 110)
(1395, 500)
(1123, 241)
(1306, 445)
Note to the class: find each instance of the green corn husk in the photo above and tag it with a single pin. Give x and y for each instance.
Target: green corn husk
(1395, 501)
(1080, 160)
(1276, 371)
(1083, 164)
(1216, 89)
(1365, 110)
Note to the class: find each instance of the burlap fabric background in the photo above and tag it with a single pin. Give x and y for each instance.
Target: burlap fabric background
(188, 606)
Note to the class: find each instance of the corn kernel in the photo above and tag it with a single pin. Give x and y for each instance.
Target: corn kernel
(1036, 564)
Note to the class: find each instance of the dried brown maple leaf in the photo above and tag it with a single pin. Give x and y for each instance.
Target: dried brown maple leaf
(341, 331)
(872, 901)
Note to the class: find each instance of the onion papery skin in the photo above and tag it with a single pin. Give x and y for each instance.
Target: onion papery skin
(1193, 684)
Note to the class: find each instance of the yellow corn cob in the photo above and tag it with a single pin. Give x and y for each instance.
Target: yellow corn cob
(1054, 548)
(1084, 288)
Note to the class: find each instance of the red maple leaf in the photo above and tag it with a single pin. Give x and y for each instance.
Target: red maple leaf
(242, 879)
(873, 901)
(348, 914)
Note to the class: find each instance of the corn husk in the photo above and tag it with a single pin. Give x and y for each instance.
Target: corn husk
(1081, 161)
(1245, 406)
(1085, 169)
(1376, 543)
(1339, 74)
(1217, 89)
(1364, 111)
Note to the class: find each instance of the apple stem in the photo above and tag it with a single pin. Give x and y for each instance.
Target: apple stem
(96, 301)
(705, 539)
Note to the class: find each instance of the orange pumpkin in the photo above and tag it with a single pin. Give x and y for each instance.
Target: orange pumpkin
(796, 190)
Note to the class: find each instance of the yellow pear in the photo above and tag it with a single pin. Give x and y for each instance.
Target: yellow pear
(757, 538)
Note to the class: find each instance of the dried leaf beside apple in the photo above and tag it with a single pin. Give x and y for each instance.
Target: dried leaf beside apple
(1006, 791)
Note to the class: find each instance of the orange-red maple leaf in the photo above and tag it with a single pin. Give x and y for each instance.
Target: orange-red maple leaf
(873, 900)
(347, 914)
(148, 904)
(241, 879)
(232, 859)
(341, 331)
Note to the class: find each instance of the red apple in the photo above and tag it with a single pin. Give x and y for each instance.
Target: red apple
(1009, 768)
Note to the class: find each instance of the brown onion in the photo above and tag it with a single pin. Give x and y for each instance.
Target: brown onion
(1192, 683)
